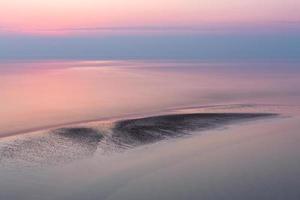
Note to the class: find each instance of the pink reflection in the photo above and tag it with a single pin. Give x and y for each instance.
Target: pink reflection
(42, 94)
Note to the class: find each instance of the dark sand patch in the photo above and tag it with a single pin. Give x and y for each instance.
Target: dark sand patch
(60, 145)
(152, 129)
(72, 143)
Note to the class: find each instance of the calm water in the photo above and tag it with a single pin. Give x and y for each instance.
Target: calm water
(257, 159)
(43, 94)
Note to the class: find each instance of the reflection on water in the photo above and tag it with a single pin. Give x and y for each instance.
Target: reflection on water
(242, 161)
(42, 94)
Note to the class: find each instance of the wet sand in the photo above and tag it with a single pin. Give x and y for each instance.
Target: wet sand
(144, 130)
(69, 143)
(247, 160)
(251, 161)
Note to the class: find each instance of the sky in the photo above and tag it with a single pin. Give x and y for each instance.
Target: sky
(35, 15)
(36, 28)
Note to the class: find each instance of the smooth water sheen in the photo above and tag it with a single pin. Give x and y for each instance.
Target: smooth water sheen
(149, 130)
(35, 95)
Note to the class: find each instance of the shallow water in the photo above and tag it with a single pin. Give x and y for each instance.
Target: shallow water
(149, 130)
(40, 94)
(229, 161)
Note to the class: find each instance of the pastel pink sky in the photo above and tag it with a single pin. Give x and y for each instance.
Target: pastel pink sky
(33, 15)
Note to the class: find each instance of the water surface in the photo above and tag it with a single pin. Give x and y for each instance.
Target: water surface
(114, 129)
(40, 94)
